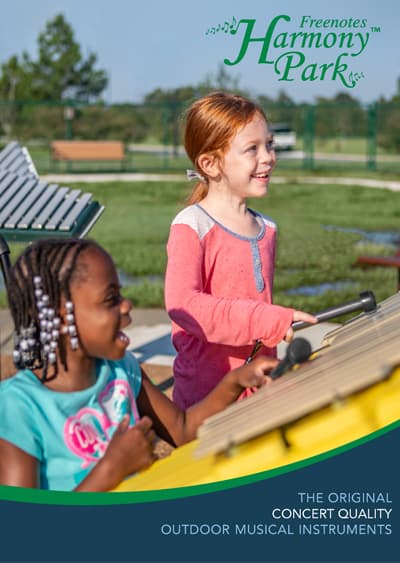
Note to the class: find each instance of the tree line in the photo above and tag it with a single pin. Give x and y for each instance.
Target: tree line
(59, 93)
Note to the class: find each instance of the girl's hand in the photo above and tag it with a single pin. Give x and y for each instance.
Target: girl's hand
(254, 374)
(130, 449)
(299, 316)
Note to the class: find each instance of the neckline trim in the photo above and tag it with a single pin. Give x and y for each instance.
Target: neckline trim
(229, 231)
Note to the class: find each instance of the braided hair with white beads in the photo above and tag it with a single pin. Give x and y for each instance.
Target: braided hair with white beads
(39, 279)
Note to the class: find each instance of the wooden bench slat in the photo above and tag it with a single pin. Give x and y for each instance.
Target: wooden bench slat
(379, 261)
(383, 261)
(87, 150)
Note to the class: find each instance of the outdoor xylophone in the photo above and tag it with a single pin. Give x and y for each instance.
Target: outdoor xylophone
(349, 389)
(31, 208)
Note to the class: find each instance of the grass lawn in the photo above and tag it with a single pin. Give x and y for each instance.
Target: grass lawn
(134, 229)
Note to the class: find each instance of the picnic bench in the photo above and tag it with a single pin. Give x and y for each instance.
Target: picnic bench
(88, 151)
(383, 261)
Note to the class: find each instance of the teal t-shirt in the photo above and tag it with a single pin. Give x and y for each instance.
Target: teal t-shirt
(68, 432)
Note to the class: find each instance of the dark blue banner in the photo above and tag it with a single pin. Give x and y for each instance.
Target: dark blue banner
(344, 508)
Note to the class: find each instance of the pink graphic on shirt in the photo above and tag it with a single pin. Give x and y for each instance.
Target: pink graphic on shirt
(88, 432)
(85, 434)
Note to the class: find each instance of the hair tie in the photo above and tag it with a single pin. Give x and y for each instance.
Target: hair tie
(193, 175)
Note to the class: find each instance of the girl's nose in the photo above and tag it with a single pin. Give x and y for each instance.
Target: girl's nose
(126, 306)
(268, 155)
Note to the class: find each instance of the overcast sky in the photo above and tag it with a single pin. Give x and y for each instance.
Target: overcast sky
(145, 44)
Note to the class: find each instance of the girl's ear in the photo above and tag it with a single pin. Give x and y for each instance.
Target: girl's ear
(209, 165)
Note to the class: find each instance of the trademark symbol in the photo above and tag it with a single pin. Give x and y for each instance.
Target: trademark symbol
(375, 29)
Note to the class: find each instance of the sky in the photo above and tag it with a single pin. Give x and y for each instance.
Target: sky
(148, 44)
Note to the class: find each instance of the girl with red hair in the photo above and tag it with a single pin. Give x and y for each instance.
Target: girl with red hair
(221, 253)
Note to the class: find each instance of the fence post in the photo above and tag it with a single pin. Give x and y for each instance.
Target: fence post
(165, 114)
(308, 137)
(69, 114)
(371, 136)
(175, 107)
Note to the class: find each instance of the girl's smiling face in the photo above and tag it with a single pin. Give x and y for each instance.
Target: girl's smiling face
(100, 310)
(249, 160)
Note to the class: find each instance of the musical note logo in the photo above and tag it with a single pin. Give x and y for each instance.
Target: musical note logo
(226, 27)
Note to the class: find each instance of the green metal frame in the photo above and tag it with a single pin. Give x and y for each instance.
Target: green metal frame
(80, 228)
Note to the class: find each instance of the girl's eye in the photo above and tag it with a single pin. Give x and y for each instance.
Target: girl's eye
(252, 148)
(270, 145)
(114, 299)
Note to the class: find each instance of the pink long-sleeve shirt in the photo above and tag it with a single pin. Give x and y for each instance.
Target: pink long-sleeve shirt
(218, 294)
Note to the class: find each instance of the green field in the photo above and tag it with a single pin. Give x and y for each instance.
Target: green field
(134, 229)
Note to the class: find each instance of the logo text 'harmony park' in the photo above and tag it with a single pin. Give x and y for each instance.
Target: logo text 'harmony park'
(289, 52)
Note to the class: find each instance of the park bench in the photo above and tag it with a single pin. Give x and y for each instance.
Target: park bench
(88, 151)
(381, 261)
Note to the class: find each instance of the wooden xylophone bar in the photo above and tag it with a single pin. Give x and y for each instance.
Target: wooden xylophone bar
(16, 159)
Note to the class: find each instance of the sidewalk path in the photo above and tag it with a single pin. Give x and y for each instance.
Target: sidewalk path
(363, 182)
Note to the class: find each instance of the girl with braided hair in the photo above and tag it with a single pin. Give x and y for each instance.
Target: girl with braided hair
(80, 414)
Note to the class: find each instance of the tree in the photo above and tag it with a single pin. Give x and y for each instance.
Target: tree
(388, 123)
(15, 78)
(166, 123)
(222, 80)
(341, 116)
(163, 113)
(60, 72)
(14, 83)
